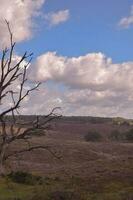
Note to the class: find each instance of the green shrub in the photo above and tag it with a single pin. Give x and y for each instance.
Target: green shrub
(25, 178)
(93, 136)
(115, 135)
(64, 195)
(129, 135)
(58, 195)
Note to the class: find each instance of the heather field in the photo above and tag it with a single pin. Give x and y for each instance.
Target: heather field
(83, 169)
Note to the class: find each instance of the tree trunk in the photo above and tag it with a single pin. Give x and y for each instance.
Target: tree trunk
(2, 169)
(2, 160)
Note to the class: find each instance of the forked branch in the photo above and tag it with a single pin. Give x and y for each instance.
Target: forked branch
(10, 73)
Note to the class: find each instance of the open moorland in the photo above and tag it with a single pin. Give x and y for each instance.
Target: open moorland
(84, 168)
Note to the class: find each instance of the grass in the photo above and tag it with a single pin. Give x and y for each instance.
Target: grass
(67, 189)
(11, 191)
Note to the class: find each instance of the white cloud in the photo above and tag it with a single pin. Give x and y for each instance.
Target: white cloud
(92, 71)
(20, 15)
(125, 22)
(79, 102)
(55, 18)
(86, 85)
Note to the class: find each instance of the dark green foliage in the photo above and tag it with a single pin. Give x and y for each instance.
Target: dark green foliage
(58, 195)
(129, 135)
(64, 195)
(25, 178)
(115, 135)
(93, 136)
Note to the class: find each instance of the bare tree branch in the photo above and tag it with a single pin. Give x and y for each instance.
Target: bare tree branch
(15, 153)
(11, 72)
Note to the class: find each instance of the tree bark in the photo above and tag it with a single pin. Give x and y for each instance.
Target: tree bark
(2, 160)
(2, 169)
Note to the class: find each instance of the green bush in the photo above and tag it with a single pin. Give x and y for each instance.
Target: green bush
(64, 195)
(129, 135)
(115, 135)
(58, 195)
(25, 178)
(93, 136)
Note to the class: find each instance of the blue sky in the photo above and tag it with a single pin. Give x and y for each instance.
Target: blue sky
(82, 54)
(92, 27)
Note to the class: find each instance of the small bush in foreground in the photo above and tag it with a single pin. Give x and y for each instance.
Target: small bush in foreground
(93, 136)
(25, 178)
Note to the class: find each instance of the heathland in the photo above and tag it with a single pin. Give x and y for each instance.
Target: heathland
(94, 161)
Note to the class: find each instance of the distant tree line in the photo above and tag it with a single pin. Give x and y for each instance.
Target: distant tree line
(115, 135)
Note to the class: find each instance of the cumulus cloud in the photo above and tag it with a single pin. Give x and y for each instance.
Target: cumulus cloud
(92, 71)
(55, 18)
(86, 85)
(125, 22)
(79, 102)
(20, 14)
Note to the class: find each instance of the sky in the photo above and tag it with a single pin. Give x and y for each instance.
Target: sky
(82, 54)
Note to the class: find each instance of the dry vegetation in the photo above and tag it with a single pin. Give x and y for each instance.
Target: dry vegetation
(86, 170)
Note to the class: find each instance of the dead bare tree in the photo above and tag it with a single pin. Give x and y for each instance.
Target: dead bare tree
(11, 72)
